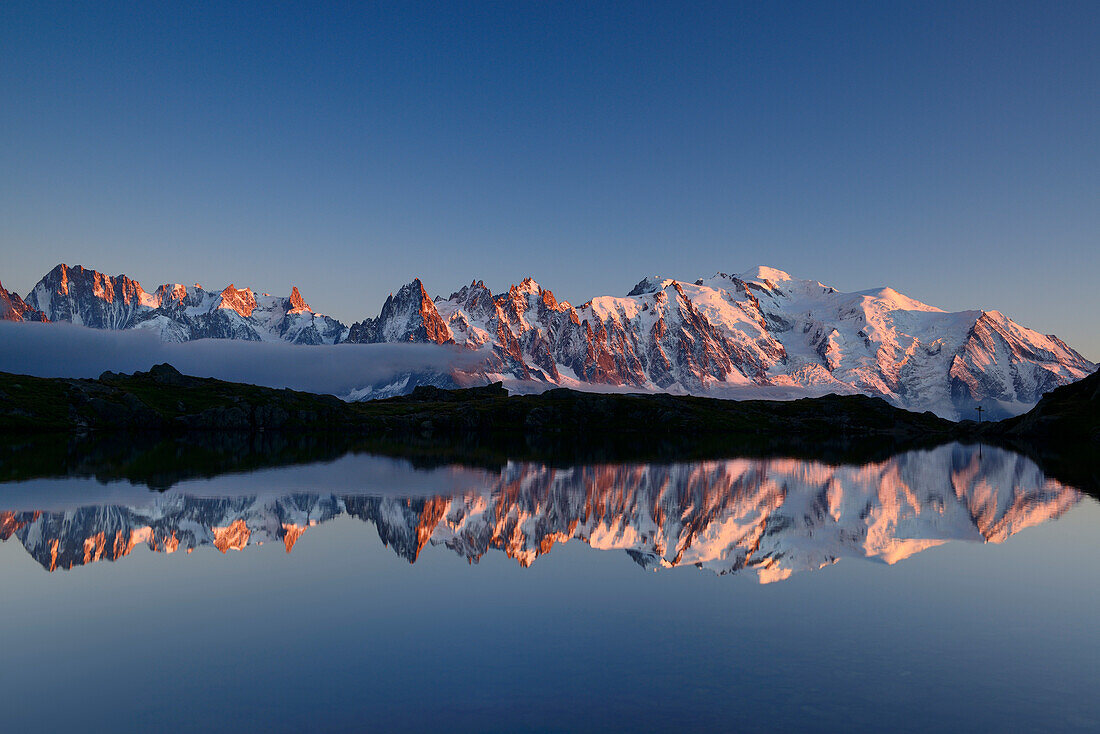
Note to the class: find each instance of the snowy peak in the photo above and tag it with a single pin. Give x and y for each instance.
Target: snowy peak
(893, 301)
(763, 273)
(1001, 362)
(173, 293)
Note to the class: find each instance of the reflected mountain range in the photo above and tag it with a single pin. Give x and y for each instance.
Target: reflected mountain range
(770, 517)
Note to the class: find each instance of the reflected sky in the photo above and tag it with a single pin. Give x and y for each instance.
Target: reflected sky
(517, 600)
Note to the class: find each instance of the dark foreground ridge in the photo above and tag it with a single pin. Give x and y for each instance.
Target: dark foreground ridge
(165, 400)
(1062, 433)
(162, 399)
(161, 427)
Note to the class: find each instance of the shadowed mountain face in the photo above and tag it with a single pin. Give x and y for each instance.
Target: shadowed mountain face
(770, 517)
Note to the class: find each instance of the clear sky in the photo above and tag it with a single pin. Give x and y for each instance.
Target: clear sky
(949, 150)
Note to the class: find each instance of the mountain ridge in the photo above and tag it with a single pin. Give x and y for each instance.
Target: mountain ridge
(761, 331)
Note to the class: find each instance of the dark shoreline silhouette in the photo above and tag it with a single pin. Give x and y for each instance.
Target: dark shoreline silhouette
(160, 427)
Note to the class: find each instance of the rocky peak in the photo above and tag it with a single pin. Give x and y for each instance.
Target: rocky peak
(475, 299)
(527, 285)
(59, 277)
(649, 284)
(88, 297)
(243, 301)
(78, 280)
(410, 315)
(171, 293)
(296, 302)
(550, 302)
(475, 290)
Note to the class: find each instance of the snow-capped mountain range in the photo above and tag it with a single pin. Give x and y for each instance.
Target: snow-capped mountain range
(177, 312)
(761, 333)
(771, 517)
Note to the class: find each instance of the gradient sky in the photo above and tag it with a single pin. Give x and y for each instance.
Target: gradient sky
(949, 150)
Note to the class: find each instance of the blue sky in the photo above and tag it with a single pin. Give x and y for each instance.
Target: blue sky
(948, 150)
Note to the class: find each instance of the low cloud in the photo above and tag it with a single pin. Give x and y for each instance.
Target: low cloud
(65, 350)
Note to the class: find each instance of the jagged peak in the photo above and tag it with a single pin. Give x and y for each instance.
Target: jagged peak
(649, 284)
(464, 292)
(59, 272)
(241, 300)
(411, 295)
(527, 285)
(172, 292)
(62, 271)
(103, 286)
(414, 286)
(297, 303)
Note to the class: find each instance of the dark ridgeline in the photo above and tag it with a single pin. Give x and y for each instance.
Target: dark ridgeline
(200, 426)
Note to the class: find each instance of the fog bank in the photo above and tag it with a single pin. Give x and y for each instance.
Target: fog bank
(65, 350)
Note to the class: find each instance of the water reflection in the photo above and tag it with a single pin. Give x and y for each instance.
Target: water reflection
(769, 517)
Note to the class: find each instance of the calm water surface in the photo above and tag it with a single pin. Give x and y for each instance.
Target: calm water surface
(954, 589)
